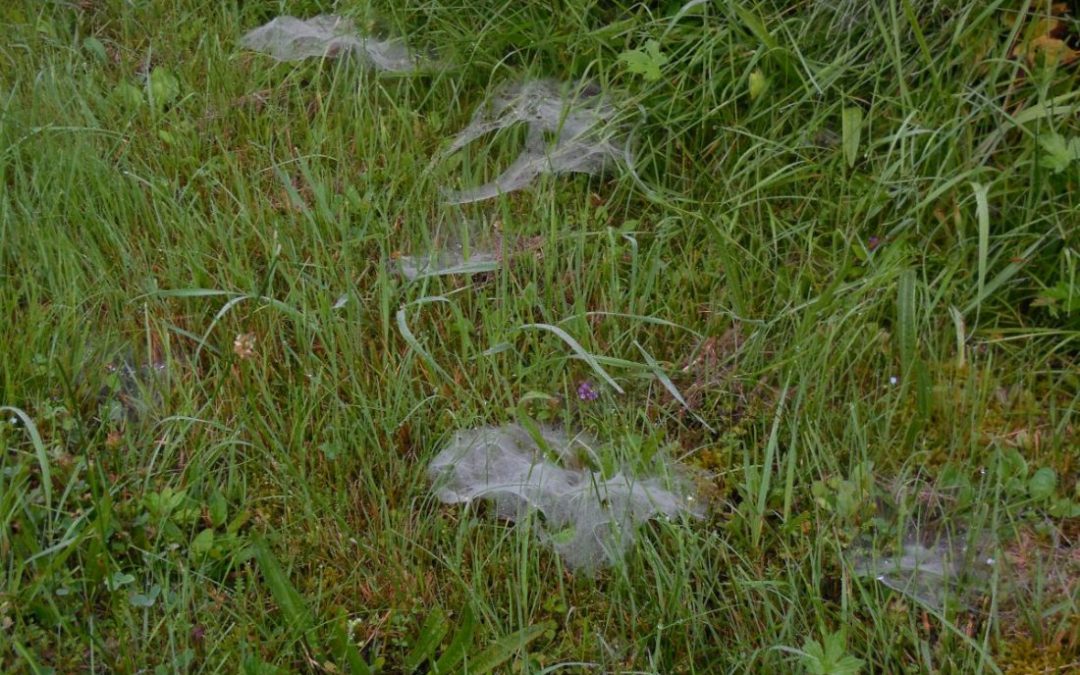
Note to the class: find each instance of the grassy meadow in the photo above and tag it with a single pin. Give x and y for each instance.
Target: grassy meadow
(840, 282)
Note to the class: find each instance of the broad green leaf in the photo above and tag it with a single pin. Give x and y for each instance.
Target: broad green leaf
(218, 509)
(1064, 508)
(1042, 483)
(164, 87)
(118, 579)
(813, 657)
(431, 635)
(852, 123)
(96, 48)
(202, 543)
(503, 649)
(758, 84)
(1013, 464)
(144, 600)
(455, 652)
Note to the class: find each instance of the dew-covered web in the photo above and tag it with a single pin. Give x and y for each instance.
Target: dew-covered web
(934, 568)
(578, 119)
(288, 38)
(591, 521)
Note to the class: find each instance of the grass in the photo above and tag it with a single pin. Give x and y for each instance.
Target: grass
(862, 278)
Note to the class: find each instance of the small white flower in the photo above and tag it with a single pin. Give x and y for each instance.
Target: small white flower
(244, 345)
(894, 380)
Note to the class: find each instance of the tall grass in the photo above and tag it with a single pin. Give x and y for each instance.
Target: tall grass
(841, 241)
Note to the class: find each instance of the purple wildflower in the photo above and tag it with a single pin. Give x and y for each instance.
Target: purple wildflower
(587, 392)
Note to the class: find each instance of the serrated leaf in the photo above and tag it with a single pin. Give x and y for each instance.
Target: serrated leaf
(1042, 483)
(848, 665)
(1057, 153)
(829, 658)
(813, 657)
(645, 62)
(431, 635)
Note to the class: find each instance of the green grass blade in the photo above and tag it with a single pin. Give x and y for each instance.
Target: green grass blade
(758, 523)
(982, 211)
(754, 23)
(39, 452)
(414, 344)
(579, 350)
(660, 375)
(296, 613)
(346, 651)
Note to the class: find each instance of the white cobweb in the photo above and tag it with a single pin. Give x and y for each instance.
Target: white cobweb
(578, 118)
(458, 247)
(288, 38)
(447, 262)
(589, 520)
(934, 570)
